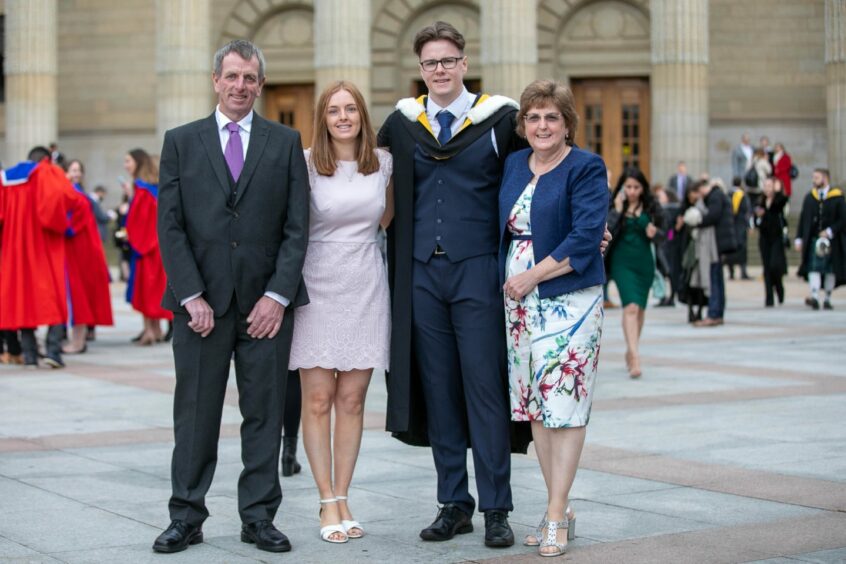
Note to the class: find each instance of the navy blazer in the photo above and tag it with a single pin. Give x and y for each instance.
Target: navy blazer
(568, 214)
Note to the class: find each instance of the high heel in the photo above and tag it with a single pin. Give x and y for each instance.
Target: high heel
(350, 524)
(290, 466)
(327, 531)
(634, 367)
(535, 540)
(571, 524)
(551, 539)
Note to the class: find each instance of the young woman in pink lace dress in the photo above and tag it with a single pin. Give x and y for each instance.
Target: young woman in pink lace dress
(344, 332)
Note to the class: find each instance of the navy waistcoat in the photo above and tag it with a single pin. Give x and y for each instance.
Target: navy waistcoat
(455, 202)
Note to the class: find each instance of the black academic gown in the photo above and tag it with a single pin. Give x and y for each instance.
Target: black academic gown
(406, 418)
(816, 216)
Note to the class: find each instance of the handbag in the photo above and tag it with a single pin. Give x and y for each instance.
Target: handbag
(794, 172)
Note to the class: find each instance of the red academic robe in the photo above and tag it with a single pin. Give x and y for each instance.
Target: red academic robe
(35, 205)
(148, 276)
(782, 172)
(88, 274)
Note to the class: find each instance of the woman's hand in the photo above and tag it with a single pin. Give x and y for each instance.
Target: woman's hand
(517, 286)
(651, 230)
(618, 201)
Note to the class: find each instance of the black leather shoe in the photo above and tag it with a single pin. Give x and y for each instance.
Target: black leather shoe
(498, 533)
(265, 536)
(178, 536)
(450, 521)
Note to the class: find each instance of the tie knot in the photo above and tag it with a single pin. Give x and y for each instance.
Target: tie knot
(232, 127)
(445, 118)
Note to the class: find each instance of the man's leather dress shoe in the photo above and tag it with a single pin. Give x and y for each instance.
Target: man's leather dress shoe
(265, 536)
(178, 536)
(498, 533)
(450, 521)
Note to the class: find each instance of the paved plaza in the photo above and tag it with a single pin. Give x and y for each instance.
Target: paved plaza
(731, 448)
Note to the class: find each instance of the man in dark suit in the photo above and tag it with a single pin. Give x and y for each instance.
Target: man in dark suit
(233, 228)
(679, 182)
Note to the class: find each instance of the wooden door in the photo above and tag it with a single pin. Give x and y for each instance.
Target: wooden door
(292, 105)
(614, 121)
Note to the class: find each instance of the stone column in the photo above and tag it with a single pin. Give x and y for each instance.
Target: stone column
(835, 66)
(509, 47)
(31, 55)
(679, 86)
(342, 44)
(183, 63)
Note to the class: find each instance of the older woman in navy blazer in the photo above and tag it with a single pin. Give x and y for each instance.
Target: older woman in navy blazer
(552, 206)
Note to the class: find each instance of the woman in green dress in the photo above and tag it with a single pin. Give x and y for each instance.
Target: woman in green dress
(635, 223)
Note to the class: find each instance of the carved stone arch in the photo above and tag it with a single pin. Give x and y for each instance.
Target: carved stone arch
(392, 33)
(593, 37)
(284, 29)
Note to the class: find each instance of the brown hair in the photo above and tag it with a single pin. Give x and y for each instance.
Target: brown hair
(66, 166)
(549, 92)
(145, 168)
(437, 31)
(322, 154)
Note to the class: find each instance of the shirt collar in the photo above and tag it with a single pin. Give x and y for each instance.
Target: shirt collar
(222, 121)
(457, 107)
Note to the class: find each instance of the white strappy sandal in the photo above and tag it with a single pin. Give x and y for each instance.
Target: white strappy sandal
(327, 531)
(535, 539)
(349, 524)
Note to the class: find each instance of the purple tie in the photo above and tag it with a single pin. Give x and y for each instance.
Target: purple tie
(234, 152)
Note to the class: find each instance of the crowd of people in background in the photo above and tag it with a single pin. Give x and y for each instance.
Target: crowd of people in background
(53, 266)
(676, 241)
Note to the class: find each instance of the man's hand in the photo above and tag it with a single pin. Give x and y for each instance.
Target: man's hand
(823, 234)
(266, 318)
(202, 316)
(606, 240)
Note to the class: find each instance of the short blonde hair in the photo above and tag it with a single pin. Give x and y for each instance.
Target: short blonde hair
(545, 93)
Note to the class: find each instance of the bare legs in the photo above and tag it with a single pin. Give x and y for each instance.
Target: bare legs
(322, 390)
(558, 452)
(77, 340)
(152, 332)
(633, 317)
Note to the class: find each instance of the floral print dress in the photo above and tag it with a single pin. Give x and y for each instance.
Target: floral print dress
(553, 343)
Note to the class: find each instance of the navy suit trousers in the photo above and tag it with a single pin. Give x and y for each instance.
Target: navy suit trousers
(459, 341)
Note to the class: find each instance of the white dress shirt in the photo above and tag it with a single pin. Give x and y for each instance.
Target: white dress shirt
(245, 125)
(459, 107)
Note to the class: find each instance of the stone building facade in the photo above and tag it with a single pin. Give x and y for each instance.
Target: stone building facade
(656, 81)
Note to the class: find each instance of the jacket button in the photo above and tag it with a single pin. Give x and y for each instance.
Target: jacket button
(440, 200)
(234, 244)
(440, 220)
(440, 181)
(236, 215)
(438, 238)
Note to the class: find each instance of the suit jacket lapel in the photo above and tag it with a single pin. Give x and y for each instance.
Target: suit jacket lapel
(258, 141)
(211, 141)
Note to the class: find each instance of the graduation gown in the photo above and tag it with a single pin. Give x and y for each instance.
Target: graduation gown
(87, 272)
(147, 279)
(816, 216)
(34, 207)
(402, 131)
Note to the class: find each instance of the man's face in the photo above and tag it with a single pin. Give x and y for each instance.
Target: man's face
(444, 85)
(238, 85)
(682, 169)
(819, 180)
(745, 139)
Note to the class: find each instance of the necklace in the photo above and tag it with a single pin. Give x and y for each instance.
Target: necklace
(541, 168)
(348, 168)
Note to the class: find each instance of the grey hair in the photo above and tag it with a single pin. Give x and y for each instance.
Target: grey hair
(245, 49)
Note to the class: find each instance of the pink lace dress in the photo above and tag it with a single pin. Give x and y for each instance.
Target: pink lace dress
(347, 323)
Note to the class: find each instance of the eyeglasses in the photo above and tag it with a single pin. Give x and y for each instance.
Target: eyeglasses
(550, 119)
(430, 65)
